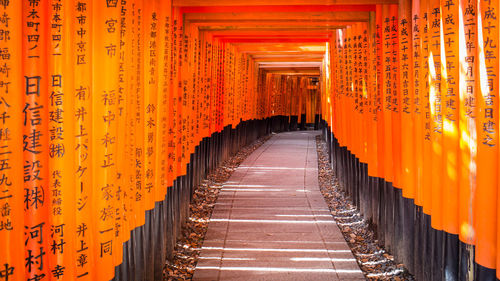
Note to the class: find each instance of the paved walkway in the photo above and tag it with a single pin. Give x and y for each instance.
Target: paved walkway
(271, 222)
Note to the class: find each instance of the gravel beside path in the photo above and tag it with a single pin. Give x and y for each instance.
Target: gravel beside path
(375, 262)
(188, 247)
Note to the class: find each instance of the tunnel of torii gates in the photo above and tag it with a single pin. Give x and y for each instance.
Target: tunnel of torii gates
(112, 110)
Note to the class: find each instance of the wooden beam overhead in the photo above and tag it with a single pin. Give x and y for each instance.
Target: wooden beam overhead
(199, 3)
(268, 24)
(287, 37)
(294, 72)
(284, 60)
(280, 49)
(271, 57)
(278, 9)
(268, 33)
(282, 27)
(304, 40)
(290, 64)
(297, 16)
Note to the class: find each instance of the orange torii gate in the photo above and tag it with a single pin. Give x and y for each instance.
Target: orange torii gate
(429, 173)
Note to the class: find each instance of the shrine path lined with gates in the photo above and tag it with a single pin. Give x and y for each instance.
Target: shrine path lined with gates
(271, 222)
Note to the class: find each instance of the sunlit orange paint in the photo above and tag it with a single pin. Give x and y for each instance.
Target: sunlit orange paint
(151, 31)
(450, 102)
(487, 135)
(61, 143)
(468, 88)
(436, 39)
(425, 107)
(35, 97)
(104, 125)
(12, 223)
(417, 27)
(387, 92)
(372, 87)
(380, 109)
(406, 99)
(395, 102)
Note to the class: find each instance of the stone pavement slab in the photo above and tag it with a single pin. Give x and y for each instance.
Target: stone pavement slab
(271, 222)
